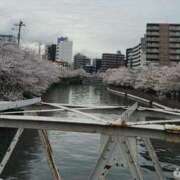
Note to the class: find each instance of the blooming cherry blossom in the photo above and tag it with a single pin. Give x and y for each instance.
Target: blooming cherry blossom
(22, 72)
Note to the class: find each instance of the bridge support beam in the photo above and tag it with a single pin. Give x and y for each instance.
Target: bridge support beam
(49, 153)
(154, 158)
(10, 150)
(108, 156)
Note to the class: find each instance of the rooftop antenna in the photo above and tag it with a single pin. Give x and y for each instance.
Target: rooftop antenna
(19, 25)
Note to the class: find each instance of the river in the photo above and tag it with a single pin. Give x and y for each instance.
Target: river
(76, 153)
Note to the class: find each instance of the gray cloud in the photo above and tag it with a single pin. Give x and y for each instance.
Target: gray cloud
(95, 26)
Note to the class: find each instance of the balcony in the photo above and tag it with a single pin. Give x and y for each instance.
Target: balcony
(153, 33)
(174, 28)
(152, 56)
(174, 45)
(153, 50)
(153, 39)
(153, 27)
(153, 45)
(175, 57)
(174, 39)
(174, 51)
(174, 34)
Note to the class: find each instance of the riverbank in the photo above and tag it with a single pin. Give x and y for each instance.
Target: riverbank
(160, 80)
(148, 98)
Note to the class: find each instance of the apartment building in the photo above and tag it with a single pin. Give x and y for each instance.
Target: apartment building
(110, 60)
(136, 56)
(162, 43)
(80, 61)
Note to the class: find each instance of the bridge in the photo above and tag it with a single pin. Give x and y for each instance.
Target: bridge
(118, 137)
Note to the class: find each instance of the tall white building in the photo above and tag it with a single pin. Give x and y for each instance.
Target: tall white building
(64, 50)
(136, 56)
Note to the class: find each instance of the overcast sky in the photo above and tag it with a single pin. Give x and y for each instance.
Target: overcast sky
(95, 26)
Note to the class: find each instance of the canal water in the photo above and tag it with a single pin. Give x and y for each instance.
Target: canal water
(76, 153)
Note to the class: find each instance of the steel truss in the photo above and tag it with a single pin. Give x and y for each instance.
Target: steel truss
(118, 138)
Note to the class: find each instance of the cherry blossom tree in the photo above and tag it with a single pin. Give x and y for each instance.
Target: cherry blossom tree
(22, 72)
(158, 79)
(120, 77)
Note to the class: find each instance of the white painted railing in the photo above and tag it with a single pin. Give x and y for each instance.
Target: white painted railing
(120, 136)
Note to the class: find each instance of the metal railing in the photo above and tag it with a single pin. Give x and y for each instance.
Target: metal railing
(119, 136)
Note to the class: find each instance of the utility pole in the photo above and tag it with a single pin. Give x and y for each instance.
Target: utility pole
(19, 25)
(39, 50)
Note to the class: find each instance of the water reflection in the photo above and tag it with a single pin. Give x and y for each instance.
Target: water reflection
(28, 161)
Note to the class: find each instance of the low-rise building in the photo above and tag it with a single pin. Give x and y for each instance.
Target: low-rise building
(90, 69)
(7, 38)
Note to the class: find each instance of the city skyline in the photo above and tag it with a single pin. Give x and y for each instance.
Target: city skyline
(95, 27)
